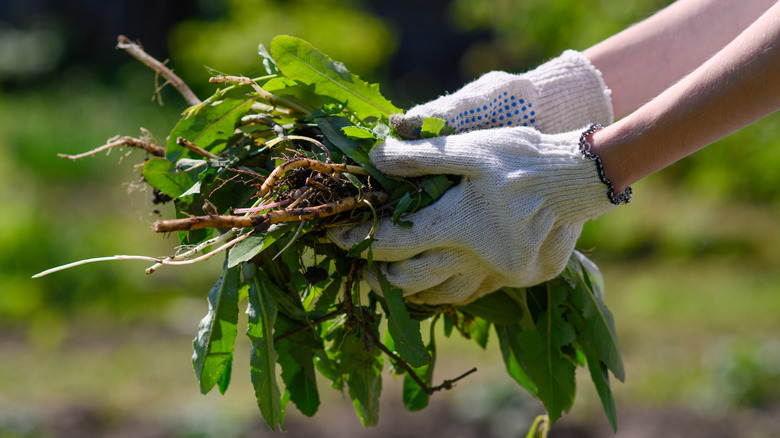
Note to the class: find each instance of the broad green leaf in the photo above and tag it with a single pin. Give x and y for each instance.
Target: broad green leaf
(251, 246)
(210, 127)
(299, 60)
(365, 387)
(600, 377)
(542, 358)
(224, 382)
(404, 330)
(364, 378)
(358, 133)
(163, 176)
(404, 204)
(216, 337)
(507, 341)
(436, 185)
(296, 357)
(261, 312)
(496, 307)
(478, 330)
(329, 295)
(248, 248)
(434, 127)
(599, 327)
(332, 127)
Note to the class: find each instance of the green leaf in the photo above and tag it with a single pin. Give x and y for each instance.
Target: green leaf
(163, 176)
(479, 329)
(364, 380)
(332, 127)
(299, 60)
(261, 313)
(253, 245)
(329, 295)
(599, 327)
(208, 126)
(436, 185)
(214, 344)
(496, 307)
(540, 354)
(414, 396)
(600, 377)
(296, 357)
(224, 381)
(404, 330)
(507, 342)
(434, 127)
(358, 133)
(404, 204)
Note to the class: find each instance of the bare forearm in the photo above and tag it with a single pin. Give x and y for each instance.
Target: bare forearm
(734, 88)
(645, 59)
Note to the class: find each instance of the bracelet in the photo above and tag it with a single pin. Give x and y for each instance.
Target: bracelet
(585, 150)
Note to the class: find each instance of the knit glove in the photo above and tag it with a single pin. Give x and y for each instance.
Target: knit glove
(512, 220)
(560, 95)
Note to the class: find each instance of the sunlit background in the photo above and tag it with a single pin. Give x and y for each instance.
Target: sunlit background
(692, 265)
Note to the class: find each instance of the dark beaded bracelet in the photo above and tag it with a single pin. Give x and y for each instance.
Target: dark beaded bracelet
(585, 149)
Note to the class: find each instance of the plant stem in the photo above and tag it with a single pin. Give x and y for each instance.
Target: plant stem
(117, 142)
(272, 217)
(137, 52)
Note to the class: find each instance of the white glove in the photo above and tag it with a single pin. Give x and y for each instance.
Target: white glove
(513, 219)
(560, 95)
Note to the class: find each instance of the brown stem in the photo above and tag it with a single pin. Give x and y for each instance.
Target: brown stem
(117, 142)
(137, 52)
(447, 384)
(307, 163)
(272, 217)
(183, 142)
(402, 363)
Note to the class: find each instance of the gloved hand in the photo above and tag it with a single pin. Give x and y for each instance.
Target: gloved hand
(560, 95)
(513, 219)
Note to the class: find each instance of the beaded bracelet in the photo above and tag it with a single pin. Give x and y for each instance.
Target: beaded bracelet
(585, 150)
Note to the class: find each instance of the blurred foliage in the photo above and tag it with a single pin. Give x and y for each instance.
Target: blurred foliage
(532, 30)
(344, 29)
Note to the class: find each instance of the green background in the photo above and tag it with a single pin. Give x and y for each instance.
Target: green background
(691, 265)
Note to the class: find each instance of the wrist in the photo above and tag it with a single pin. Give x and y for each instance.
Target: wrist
(595, 144)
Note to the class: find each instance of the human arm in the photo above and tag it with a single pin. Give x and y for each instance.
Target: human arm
(643, 60)
(736, 87)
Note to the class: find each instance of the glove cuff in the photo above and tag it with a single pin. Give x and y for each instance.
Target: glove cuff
(581, 191)
(572, 93)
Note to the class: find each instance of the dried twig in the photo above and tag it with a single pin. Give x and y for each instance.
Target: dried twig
(272, 217)
(447, 384)
(183, 142)
(137, 52)
(117, 142)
